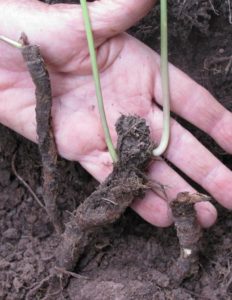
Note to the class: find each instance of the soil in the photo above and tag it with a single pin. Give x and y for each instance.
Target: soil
(129, 259)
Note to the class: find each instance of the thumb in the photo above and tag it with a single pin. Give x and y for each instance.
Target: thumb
(110, 17)
(61, 25)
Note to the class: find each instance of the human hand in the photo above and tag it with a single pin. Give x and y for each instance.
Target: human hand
(131, 84)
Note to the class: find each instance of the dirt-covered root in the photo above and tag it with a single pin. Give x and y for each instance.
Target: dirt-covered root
(189, 233)
(46, 141)
(114, 195)
(109, 201)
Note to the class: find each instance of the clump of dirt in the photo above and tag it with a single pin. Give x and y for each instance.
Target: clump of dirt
(129, 259)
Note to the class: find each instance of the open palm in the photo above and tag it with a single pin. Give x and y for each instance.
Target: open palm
(130, 77)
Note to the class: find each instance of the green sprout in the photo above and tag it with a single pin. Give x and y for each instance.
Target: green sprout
(96, 77)
(165, 81)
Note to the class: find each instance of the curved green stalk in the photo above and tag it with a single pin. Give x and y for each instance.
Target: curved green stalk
(165, 80)
(96, 77)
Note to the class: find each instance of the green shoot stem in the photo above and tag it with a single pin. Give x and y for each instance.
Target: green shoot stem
(165, 81)
(96, 77)
(11, 42)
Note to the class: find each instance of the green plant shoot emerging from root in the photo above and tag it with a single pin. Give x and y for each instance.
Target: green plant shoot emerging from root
(96, 77)
(165, 81)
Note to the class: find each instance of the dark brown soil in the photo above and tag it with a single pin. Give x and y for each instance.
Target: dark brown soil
(129, 259)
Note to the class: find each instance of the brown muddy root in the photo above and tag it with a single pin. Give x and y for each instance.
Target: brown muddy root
(189, 233)
(105, 205)
(46, 141)
(114, 195)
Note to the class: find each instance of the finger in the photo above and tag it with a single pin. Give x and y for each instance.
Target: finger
(61, 26)
(157, 212)
(113, 17)
(192, 158)
(153, 209)
(195, 104)
(43, 26)
(162, 173)
(110, 17)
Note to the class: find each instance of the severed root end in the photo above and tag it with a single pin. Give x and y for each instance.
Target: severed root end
(189, 233)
